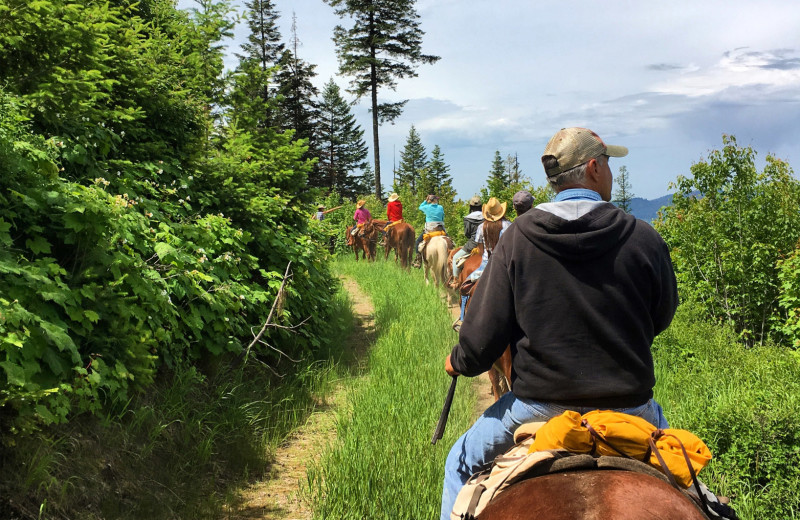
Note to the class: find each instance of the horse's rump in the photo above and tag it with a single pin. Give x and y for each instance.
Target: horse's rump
(436, 259)
(592, 495)
(400, 237)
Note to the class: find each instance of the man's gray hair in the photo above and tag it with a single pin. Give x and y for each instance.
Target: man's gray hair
(576, 175)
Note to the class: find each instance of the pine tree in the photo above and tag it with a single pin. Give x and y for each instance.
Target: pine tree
(341, 145)
(512, 168)
(413, 162)
(297, 109)
(253, 91)
(442, 180)
(294, 85)
(624, 194)
(498, 179)
(383, 45)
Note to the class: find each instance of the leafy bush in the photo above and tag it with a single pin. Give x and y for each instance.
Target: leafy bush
(789, 299)
(727, 227)
(743, 402)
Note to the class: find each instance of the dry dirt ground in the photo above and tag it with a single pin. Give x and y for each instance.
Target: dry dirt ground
(277, 496)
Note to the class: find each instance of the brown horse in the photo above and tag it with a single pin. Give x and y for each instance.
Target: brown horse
(500, 373)
(400, 237)
(354, 241)
(592, 495)
(363, 241)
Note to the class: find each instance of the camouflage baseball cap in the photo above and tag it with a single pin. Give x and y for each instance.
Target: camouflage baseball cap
(475, 201)
(574, 146)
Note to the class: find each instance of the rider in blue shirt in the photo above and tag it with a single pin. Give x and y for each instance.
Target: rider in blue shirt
(434, 219)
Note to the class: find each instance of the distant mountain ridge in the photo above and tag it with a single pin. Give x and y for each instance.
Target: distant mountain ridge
(647, 210)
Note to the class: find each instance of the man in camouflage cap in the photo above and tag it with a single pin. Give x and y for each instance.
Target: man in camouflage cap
(579, 289)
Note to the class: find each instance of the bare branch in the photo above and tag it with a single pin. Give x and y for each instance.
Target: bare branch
(271, 312)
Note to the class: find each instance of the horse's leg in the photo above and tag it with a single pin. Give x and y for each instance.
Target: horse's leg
(495, 379)
(505, 365)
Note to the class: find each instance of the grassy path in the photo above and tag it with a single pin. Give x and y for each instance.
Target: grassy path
(278, 496)
(328, 447)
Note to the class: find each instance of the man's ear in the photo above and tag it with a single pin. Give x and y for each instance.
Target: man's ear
(592, 170)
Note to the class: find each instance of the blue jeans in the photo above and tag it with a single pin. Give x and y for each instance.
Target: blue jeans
(493, 434)
(456, 257)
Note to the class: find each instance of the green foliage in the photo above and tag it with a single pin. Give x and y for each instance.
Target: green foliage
(435, 178)
(342, 148)
(498, 177)
(413, 165)
(743, 402)
(254, 91)
(181, 449)
(727, 227)
(789, 299)
(131, 240)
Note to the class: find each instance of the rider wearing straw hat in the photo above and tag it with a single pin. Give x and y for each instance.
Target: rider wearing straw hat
(394, 208)
(488, 234)
(361, 216)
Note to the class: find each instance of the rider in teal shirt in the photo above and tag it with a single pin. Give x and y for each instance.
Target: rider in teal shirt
(434, 218)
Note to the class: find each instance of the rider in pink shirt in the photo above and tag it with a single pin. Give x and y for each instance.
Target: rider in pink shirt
(361, 215)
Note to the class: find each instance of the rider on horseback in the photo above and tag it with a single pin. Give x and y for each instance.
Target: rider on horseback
(488, 234)
(471, 222)
(434, 221)
(394, 214)
(361, 216)
(579, 289)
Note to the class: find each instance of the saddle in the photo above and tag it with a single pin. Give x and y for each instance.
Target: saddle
(426, 237)
(524, 461)
(391, 224)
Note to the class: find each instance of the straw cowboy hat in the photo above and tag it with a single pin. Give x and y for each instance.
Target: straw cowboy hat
(360, 203)
(321, 206)
(393, 197)
(494, 210)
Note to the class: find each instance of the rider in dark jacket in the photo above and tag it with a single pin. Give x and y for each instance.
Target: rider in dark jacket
(578, 289)
(472, 222)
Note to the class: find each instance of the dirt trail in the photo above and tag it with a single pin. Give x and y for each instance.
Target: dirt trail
(277, 497)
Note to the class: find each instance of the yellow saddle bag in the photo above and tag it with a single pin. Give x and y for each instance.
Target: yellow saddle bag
(601, 432)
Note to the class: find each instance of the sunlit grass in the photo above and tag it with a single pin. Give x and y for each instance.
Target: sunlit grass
(382, 463)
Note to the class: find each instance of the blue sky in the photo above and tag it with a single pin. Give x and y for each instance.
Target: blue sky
(666, 80)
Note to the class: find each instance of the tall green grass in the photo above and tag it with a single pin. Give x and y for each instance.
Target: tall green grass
(181, 450)
(382, 463)
(744, 403)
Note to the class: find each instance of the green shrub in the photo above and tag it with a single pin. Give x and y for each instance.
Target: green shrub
(744, 403)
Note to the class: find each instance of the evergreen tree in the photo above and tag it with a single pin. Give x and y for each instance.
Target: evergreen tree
(382, 46)
(297, 109)
(498, 178)
(341, 145)
(253, 93)
(413, 162)
(624, 194)
(294, 85)
(512, 168)
(442, 180)
(212, 18)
